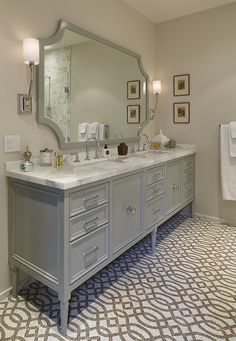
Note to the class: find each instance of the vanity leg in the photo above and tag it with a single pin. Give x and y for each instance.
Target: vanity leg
(153, 239)
(64, 310)
(14, 276)
(187, 211)
(191, 210)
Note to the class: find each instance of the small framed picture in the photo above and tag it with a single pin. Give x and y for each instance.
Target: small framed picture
(181, 112)
(181, 85)
(133, 113)
(133, 89)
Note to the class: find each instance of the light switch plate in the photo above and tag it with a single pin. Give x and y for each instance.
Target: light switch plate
(11, 143)
(24, 104)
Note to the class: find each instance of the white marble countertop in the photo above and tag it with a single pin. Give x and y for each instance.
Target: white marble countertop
(72, 175)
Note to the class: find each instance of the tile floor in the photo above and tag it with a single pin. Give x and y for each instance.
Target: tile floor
(185, 291)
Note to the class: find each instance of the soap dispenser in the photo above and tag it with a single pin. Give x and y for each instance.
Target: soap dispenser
(106, 151)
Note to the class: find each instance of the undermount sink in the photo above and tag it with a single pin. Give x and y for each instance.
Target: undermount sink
(147, 154)
(93, 166)
(96, 162)
(152, 154)
(112, 162)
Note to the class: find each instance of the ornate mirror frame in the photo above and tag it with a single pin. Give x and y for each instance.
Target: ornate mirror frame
(41, 118)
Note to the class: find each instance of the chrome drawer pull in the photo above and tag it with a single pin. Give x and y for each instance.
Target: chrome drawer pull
(90, 251)
(88, 200)
(156, 175)
(131, 209)
(155, 190)
(188, 171)
(175, 187)
(90, 223)
(156, 210)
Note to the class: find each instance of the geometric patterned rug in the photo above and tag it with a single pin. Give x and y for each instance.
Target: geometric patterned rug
(185, 291)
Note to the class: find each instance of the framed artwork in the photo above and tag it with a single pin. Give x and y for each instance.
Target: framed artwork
(181, 85)
(181, 112)
(133, 113)
(133, 89)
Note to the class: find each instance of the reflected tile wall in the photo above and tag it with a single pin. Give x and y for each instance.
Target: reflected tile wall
(57, 87)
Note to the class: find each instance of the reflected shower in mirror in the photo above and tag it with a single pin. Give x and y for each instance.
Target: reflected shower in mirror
(90, 87)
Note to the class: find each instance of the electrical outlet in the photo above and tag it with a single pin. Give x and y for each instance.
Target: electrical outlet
(11, 143)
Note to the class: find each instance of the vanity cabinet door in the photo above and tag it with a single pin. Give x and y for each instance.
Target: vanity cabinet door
(127, 210)
(173, 186)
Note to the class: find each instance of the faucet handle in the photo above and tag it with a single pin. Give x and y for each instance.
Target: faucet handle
(77, 158)
(96, 156)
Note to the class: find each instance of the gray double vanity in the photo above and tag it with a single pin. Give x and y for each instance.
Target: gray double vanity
(67, 224)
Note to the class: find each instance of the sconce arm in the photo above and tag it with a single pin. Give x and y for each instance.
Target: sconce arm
(31, 65)
(153, 110)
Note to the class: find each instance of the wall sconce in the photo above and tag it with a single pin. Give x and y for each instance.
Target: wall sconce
(31, 58)
(156, 88)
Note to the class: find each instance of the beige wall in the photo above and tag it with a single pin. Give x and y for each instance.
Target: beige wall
(111, 19)
(203, 45)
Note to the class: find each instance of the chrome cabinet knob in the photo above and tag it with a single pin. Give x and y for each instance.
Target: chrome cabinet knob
(131, 209)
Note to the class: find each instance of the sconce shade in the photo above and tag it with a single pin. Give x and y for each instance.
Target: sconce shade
(156, 86)
(31, 51)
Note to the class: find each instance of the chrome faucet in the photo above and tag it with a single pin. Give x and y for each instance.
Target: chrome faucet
(86, 147)
(139, 134)
(145, 135)
(76, 156)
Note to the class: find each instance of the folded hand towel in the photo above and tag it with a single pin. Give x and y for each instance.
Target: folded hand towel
(82, 132)
(228, 165)
(83, 127)
(101, 132)
(94, 128)
(233, 129)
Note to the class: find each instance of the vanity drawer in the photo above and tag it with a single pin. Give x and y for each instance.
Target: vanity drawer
(89, 198)
(188, 191)
(87, 222)
(155, 190)
(155, 174)
(154, 211)
(87, 252)
(189, 173)
(189, 162)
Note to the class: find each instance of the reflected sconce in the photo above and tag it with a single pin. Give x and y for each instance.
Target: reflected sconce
(31, 58)
(156, 88)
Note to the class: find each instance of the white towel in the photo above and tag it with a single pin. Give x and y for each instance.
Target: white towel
(232, 139)
(228, 165)
(82, 132)
(233, 129)
(101, 131)
(93, 129)
(83, 127)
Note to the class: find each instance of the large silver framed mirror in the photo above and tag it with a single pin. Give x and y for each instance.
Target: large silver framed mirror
(88, 86)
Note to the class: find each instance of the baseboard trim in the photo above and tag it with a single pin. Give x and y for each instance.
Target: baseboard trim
(25, 282)
(215, 219)
(209, 218)
(230, 222)
(4, 294)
